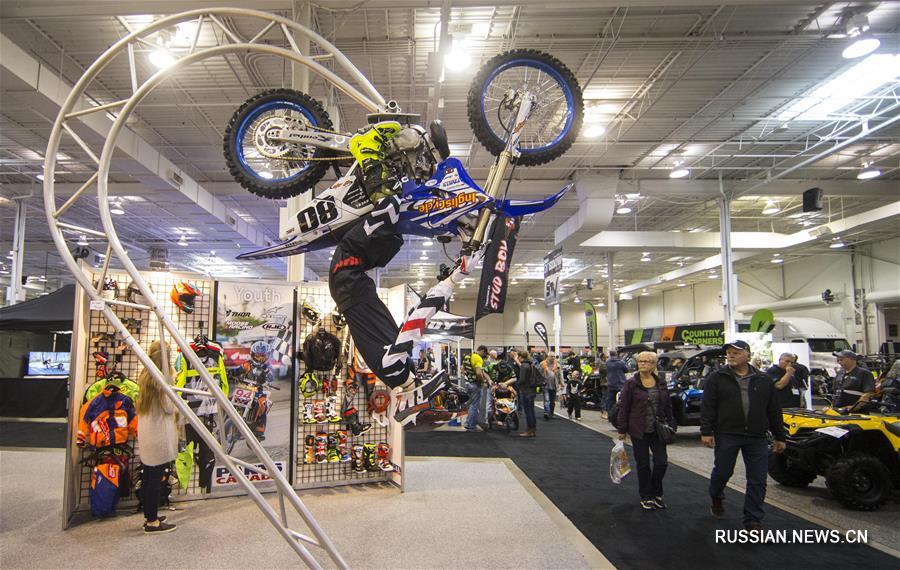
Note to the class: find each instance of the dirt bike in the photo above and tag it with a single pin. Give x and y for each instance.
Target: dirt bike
(524, 106)
(251, 399)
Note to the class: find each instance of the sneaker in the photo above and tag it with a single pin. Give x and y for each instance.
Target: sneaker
(546, 416)
(604, 416)
(648, 505)
(717, 509)
(411, 402)
(658, 501)
(159, 528)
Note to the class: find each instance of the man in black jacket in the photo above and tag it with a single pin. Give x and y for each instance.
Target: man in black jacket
(740, 405)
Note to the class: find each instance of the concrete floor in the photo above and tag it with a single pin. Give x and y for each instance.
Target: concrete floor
(454, 514)
(814, 503)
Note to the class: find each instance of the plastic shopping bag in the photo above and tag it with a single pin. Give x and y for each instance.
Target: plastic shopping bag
(618, 463)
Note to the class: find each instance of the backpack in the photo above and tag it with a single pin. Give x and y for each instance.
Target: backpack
(613, 415)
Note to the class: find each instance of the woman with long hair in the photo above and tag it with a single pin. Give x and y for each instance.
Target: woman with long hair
(643, 403)
(157, 438)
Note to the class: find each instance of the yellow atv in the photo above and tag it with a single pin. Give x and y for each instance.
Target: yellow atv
(858, 454)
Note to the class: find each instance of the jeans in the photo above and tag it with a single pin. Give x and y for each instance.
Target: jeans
(650, 479)
(528, 407)
(151, 481)
(549, 401)
(611, 394)
(574, 404)
(473, 415)
(755, 451)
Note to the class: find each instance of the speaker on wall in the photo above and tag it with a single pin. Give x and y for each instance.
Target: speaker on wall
(812, 200)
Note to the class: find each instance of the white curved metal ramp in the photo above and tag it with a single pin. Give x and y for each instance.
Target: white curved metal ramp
(78, 107)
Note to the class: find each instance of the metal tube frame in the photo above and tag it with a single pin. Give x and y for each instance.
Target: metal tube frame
(73, 108)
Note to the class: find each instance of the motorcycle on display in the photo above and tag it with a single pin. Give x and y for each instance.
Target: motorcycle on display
(524, 106)
(251, 399)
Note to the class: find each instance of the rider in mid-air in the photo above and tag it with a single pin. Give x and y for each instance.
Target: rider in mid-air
(385, 347)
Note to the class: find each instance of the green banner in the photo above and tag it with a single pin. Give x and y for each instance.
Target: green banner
(590, 315)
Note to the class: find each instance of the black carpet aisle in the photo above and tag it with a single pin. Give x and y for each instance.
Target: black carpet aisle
(570, 465)
(33, 434)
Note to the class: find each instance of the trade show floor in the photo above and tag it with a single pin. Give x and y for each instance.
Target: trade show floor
(454, 514)
(569, 463)
(813, 503)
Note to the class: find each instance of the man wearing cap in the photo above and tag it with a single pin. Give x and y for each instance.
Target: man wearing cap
(740, 405)
(853, 382)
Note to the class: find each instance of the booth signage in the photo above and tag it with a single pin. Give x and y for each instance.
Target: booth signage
(552, 271)
(225, 479)
(495, 273)
(541, 331)
(590, 315)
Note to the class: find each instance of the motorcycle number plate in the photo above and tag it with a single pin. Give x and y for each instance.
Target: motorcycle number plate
(833, 431)
(242, 396)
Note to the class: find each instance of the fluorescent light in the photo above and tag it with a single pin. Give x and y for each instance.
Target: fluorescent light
(868, 174)
(117, 209)
(680, 172)
(266, 174)
(593, 131)
(860, 47)
(860, 80)
(771, 208)
(623, 209)
(161, 58)
(82, 240)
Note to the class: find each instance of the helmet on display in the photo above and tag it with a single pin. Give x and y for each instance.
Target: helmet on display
(183, 295)
(259, 351)
(338, 319)
(309, 310)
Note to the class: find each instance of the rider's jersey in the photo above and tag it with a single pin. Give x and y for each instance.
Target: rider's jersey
(471, 363)
(188, 377)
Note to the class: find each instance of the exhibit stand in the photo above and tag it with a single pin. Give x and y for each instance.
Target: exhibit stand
(237, 315)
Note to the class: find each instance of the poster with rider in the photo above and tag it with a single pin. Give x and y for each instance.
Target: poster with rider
(255, 326)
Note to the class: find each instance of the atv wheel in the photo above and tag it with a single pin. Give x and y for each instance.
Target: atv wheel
(788, 473)
(860, 481)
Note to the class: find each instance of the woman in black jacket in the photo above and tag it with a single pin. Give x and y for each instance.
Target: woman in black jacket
(644, 402)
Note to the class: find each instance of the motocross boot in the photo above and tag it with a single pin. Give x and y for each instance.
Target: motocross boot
(342, 445)
(331, 453)
(321, 447)
(309, 449)
(308, 415)
(319, 411)
(384, 457)
(356, 459)
(331, 409)
(351, 416)
(370, 460)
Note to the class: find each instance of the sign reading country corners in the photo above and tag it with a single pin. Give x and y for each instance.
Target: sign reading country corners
(552, 271)
(706, 334)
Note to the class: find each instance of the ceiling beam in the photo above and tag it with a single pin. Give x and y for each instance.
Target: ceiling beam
(46, 82)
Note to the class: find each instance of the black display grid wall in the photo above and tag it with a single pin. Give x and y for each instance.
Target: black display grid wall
(313, 475)
(103, 338)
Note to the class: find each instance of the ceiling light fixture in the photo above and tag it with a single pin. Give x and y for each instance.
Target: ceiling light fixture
(645, 257)
(776, 260)
(771, 208)
(266, 174)
(836, 243)
(82, 240)
(713, 275)
(40, 177)
(868, 173)
(623, 209)
(161, 58)
(679, 170)
(183, 242)
(593, 131)
(862, 42)
(117, 208)
(458, 58)
(682, 284)
(428, 243)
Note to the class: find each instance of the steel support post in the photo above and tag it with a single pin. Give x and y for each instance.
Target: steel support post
(729, 289)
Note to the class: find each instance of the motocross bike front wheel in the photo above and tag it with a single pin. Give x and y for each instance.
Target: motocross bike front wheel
(556, 116)
(269, 167)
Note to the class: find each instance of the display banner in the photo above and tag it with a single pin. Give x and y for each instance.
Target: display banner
(495, 272)
(447, 324)
(590, 315)
(224, 480)
(552, 271)
(260, 315)
(541, 331)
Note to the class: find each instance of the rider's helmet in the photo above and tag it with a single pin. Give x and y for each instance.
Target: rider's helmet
(133, 295)
(259, 352)
(183, 295)
(338, 319)
(309, 310)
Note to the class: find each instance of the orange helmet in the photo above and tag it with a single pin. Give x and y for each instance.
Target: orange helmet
(183, 296)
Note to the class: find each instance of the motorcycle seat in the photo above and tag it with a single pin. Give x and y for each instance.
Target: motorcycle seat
(893, 427)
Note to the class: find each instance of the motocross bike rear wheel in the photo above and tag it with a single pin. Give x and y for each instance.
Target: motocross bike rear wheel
(271, 168)
(556, 117)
